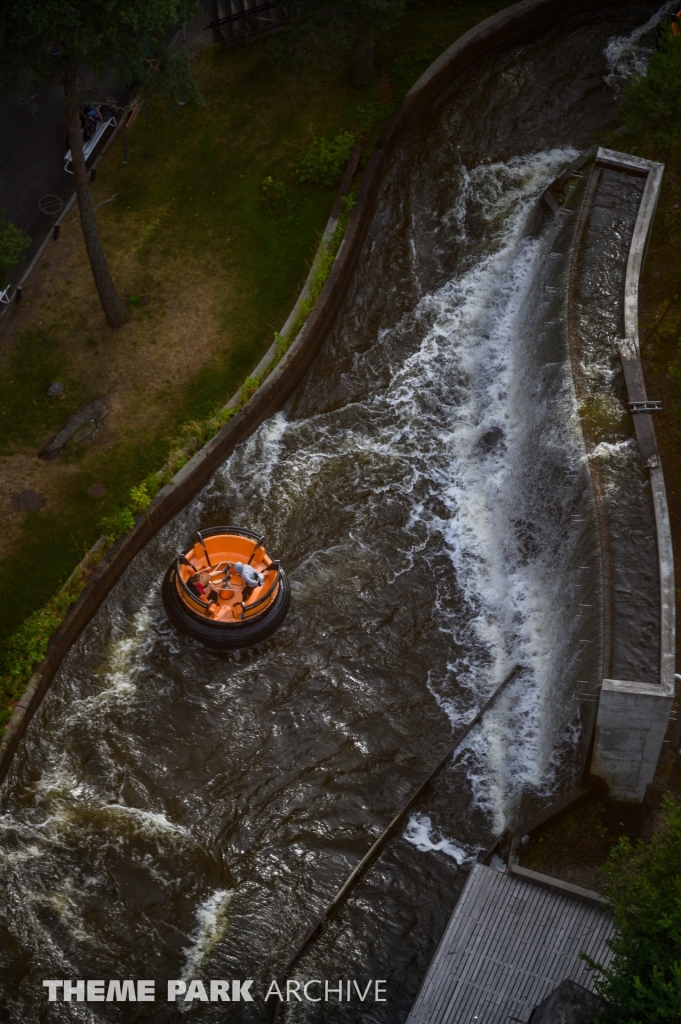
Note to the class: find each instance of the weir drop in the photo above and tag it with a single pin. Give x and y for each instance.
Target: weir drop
(178, 813)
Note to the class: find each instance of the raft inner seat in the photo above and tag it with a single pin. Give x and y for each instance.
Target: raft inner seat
(226, 598)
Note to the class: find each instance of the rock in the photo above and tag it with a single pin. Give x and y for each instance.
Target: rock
(96, 490)
(84, 434)
(94, 411)
(56, 390)
(30, 501)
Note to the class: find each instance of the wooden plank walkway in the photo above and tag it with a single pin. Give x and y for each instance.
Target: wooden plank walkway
(508, 944)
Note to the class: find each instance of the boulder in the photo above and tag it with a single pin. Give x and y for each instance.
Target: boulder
(93, 412)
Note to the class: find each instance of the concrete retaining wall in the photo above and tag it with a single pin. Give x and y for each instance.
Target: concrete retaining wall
(633, 716)
(509, 26)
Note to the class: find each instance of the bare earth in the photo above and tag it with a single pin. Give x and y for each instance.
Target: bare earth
(138, 370)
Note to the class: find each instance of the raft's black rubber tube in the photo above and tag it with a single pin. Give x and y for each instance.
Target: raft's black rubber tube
(223, 636)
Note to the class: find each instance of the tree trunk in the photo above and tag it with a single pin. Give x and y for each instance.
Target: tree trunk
(111, 304)
(363, 64)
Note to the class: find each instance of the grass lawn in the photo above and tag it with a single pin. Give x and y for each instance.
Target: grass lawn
(209, 267)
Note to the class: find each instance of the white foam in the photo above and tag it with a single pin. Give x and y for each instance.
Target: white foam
(249, 472)
(612, 450)
(126, 662)
(467, 367)
(421, 834)
(627, 57)
(150, 823)
(212, 923)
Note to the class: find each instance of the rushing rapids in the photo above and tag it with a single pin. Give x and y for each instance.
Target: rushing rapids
(175, 813)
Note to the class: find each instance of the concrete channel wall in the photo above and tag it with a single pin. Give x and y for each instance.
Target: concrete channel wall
(633, 716)
(509, 26)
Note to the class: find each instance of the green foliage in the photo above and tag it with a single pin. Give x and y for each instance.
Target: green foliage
(642, 985)
(172, 81)
(51, 36)
(249, 387)
(325, 261)
(12, 244)
(324, 160)
(118, 523)
(141, 495)
(220, 419)
(651, 105)
(369, 117)
(27, 647)
(279, 198)
(406, 70)
(322, 36)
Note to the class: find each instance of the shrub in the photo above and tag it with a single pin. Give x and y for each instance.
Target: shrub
(642, 985)
(278, 197)
(141, 495)
(27, 647)
(406, 70)
(117, 524)
(324, 160)
(650, 105)
(12, 244)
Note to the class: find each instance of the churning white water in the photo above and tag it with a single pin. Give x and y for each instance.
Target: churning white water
(629, 55)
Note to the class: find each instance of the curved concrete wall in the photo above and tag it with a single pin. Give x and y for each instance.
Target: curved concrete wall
(632, 716)
(508, 26)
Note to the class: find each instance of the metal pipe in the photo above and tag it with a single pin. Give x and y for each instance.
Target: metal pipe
(377, 848)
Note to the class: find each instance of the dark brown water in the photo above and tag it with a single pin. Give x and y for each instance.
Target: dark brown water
(179, 814)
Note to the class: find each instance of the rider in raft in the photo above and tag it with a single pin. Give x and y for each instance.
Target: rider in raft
(202, 585)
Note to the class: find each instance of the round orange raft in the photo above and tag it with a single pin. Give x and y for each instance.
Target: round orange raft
(225, 590)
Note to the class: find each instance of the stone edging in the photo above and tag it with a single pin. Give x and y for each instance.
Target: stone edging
(509, 26)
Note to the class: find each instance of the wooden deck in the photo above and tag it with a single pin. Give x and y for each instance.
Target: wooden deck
(508, 944)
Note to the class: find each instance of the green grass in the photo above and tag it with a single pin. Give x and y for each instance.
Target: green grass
(191, 194)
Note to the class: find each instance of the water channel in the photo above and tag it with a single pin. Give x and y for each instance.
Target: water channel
(629, 533)
(173, 813)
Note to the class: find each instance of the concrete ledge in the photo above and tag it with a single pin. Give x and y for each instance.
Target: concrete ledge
(509, 26)
(631, 725)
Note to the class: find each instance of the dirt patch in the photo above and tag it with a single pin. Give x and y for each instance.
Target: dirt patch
(141, 371)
